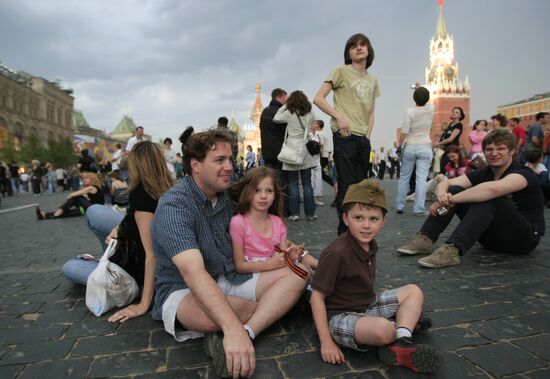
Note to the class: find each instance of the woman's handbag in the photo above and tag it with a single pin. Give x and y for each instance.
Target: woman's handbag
(109, 286)
(313, 147)
(291, 155)
(128, 254)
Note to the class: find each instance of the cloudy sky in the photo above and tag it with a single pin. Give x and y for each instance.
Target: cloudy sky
(173, 63)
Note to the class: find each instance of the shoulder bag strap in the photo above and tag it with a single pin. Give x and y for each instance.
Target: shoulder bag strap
(305, 129)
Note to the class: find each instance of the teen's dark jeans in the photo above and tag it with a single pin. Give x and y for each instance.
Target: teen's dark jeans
(495, 224)
(351, 158)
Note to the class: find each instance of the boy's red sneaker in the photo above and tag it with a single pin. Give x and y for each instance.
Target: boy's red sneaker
(417, 357)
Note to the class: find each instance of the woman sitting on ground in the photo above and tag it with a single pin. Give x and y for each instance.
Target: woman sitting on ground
(119, 189)
(457, 164)
(78, 201)
(150, 180)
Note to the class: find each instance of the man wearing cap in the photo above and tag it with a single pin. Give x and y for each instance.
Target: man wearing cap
(347, 311)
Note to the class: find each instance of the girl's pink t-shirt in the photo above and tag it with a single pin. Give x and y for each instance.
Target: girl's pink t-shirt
(453, 172)
(476, 138)
(255, 246)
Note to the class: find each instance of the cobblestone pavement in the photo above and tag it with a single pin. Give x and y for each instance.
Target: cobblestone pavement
(491, 314)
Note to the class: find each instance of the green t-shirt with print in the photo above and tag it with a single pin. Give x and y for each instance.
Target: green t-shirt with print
(354, 95)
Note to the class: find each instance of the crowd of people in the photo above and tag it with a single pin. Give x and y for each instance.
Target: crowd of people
(205, 233)
(38, 178)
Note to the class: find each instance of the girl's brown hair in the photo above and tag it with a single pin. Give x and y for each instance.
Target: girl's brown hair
(455, 149)
(243, 191)
(298, 103)
(146, 165)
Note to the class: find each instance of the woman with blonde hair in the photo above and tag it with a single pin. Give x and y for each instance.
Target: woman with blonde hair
(150, 179)
(79, 201)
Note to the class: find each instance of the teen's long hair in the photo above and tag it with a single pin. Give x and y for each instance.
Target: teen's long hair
(354, 40)
(146, 165)
(298, 103)
(243, 191)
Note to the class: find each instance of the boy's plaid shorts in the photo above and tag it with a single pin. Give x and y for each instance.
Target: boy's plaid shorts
(342, 325)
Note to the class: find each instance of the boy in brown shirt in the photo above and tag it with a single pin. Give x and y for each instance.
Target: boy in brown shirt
(346, 310)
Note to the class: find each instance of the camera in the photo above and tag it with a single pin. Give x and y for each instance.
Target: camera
(442, 211)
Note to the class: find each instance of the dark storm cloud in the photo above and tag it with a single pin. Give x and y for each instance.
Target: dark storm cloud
(173, 63)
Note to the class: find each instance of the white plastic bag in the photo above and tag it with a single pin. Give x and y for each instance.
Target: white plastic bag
(109, 285)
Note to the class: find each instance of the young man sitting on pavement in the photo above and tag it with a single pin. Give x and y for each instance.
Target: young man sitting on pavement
(346, 310)
(501, 206)
(197, 288)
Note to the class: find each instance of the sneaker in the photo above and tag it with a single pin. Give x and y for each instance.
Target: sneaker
(423, 324)
(417, 357)
(213, 347)
(319, 203)
(312, 218)
(399, 211)
(294, 218)
(420, 244)
(445, 256)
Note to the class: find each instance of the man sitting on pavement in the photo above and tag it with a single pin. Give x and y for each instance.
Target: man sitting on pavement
(198, 289)
(501, 206)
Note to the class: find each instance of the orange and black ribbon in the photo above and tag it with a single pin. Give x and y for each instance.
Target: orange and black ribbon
(293, 266)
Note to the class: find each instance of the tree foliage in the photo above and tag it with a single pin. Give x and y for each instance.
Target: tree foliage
(60, 153)
(33, 149)
(8, 153)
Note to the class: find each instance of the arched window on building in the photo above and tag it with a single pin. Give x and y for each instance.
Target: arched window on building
(18, 136)
(3, 131)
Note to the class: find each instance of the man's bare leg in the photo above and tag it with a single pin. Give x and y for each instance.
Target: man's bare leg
(277, 291)
(191, 315)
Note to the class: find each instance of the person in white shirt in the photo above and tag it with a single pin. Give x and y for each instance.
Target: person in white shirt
(169, 157)
(60, 177)
(138, 137)
(416, 150)
(316, 177)
(117, 157)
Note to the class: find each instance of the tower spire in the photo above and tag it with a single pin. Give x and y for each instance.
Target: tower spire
(441, 29)
(257, 108)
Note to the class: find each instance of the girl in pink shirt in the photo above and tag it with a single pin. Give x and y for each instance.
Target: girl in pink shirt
(258, 229)
(476, 138)
(458, 165)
